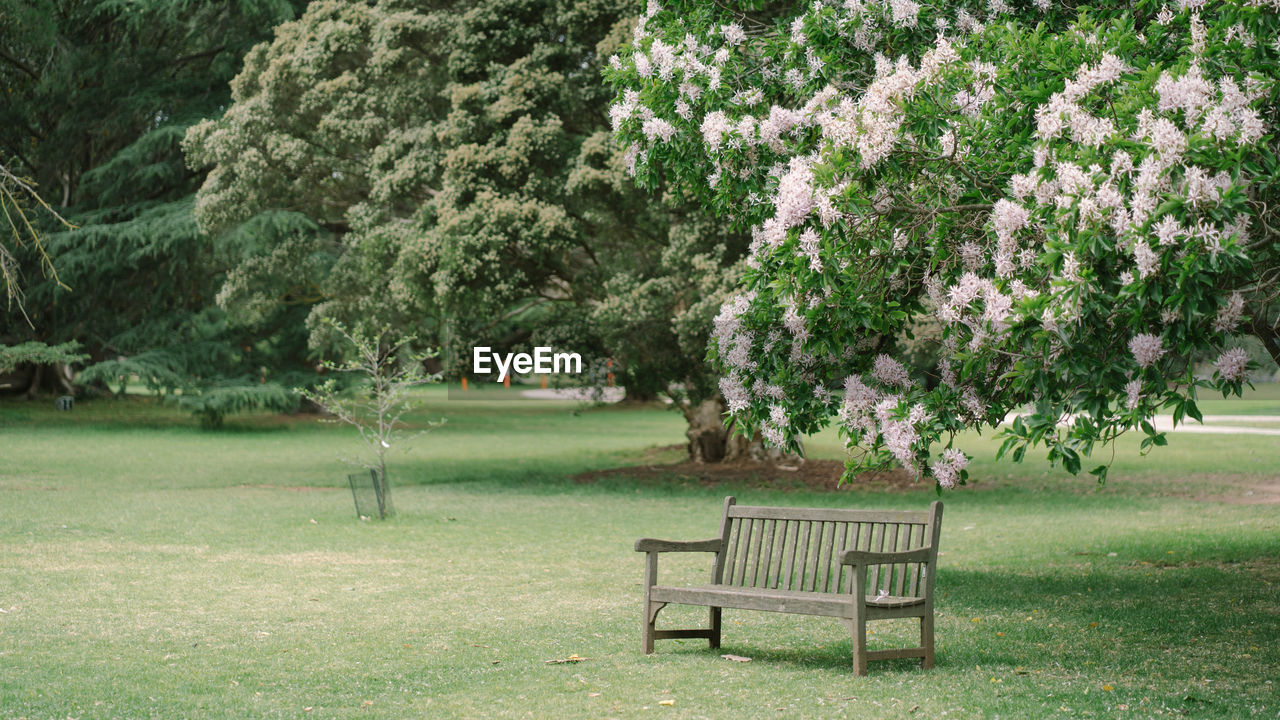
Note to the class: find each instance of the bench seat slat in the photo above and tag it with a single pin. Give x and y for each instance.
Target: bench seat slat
(787, 601)
(828, 514)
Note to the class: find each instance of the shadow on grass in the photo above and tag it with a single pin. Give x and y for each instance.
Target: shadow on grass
(1131, 617)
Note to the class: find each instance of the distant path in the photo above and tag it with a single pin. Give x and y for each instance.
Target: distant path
(609, 394)
(1164, 423)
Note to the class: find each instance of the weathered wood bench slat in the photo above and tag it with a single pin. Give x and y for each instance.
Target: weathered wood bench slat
(855, 565)
(826, 514)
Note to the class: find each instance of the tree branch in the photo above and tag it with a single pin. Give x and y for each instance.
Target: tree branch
(974, 207)
(4, 55)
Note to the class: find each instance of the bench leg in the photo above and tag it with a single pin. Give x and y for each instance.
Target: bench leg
(714, 640)
(858, 632)
(650, 612)
(926, 640)
(650, 624)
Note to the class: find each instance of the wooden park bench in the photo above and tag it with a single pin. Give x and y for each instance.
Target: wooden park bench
(856, 565)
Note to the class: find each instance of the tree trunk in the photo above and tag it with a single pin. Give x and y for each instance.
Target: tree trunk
(711, 440)
(1270, 337)
(36, 377)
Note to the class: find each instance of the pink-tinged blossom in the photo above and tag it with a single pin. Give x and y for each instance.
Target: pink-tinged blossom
(1008, 217)
(658, 129)
(1199, 34)
(1218, 124)
(664, 58)
(1146, 258)
(1070, 267)
(735, 395)
(1023, 185)
(714, 126)
(966, 289)
(858, 397)
(1233, 364)
(797, 31)
(1167, 231)
(810, 248)
(946, 470)
(1252, 128)
(733, 34)
(1230, 314)
(770, 390)
(644, 68)
(900, 438)
(1147, 349)
(1166, 139)
(773, 435)
(972, 403)
(795, 324)
(1133, 389)
(780, 120)
(1121, 164)
(795, 200)
(890, 372)
(904, 12)
(972, 255)
(624, 108)
(998, 307)
(1190, 93)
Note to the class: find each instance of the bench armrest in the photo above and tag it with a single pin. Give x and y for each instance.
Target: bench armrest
(864, 557)
(653, 545)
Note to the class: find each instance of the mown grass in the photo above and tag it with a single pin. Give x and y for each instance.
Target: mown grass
(149, 569)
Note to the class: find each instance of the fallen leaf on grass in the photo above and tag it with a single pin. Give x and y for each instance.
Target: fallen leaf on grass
(736, 658)
(574, 658)
(668, 703)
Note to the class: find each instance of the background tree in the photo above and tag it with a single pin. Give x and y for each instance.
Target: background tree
(1083, 196)
(97, 97)
(458, 159)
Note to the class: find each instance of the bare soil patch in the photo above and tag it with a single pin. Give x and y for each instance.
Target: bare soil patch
(811, 475)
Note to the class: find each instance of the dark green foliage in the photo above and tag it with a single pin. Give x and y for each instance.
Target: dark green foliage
(38, 353)
(459, 156)
(215, 402)
(100, 95)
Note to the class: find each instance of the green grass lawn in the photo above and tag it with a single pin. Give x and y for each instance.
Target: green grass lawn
(149, 569)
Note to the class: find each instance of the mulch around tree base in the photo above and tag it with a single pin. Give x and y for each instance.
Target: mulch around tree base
(820, 475)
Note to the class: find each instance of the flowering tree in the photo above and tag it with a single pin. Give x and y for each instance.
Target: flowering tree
(1083, 196)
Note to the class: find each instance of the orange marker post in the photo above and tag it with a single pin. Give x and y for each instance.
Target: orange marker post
(464, 384)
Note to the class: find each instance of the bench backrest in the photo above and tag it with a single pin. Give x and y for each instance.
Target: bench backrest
(800, 548)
